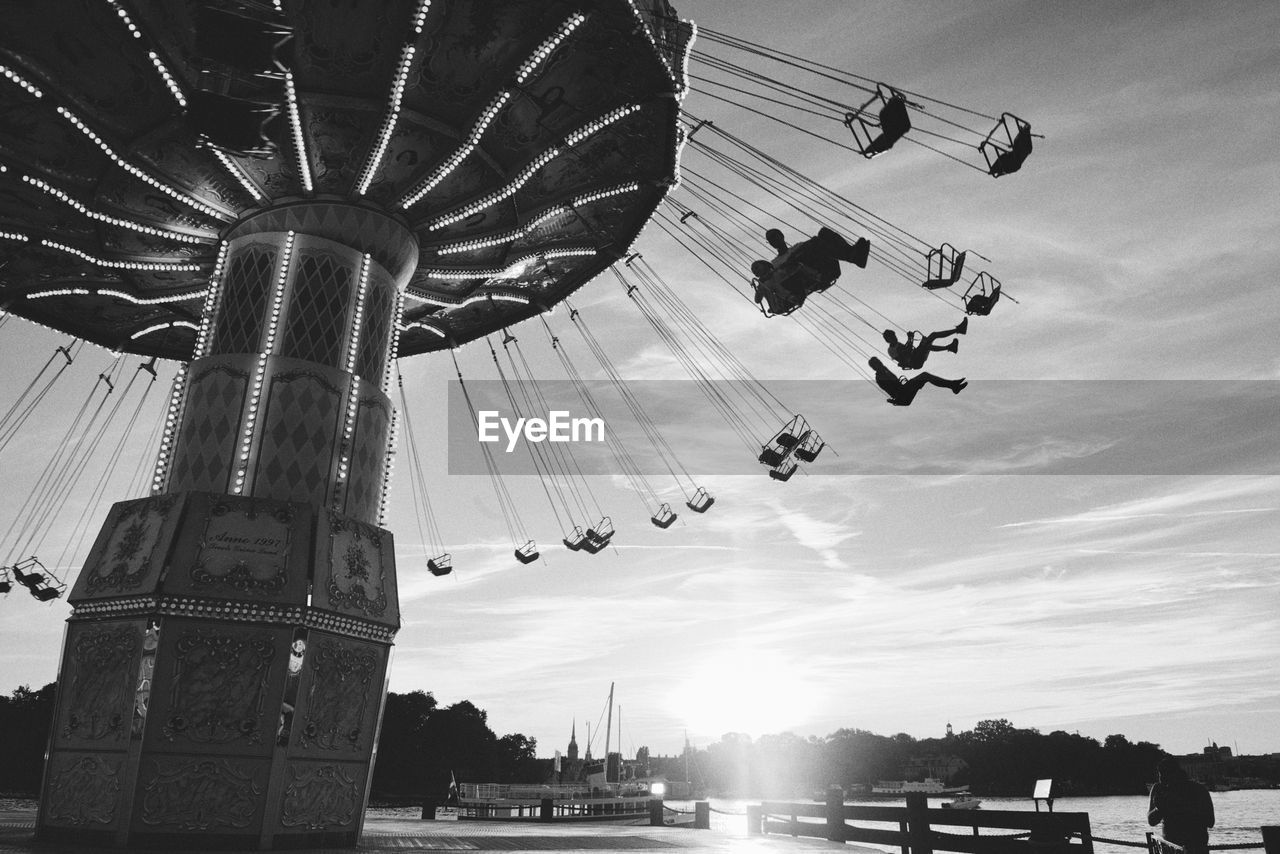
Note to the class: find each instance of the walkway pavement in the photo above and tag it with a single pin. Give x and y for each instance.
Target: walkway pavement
(398, 834)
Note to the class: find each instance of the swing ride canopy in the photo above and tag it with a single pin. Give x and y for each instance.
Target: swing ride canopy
(523, 144)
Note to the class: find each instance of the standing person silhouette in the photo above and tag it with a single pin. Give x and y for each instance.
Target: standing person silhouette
(1182, 807)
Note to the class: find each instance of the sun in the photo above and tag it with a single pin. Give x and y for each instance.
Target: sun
(748, 692)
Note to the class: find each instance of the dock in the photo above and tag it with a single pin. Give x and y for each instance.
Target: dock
(387, 834)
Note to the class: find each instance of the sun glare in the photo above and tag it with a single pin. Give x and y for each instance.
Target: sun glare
(747, 692)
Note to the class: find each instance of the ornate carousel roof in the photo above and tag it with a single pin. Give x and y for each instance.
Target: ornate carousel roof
(525, 143)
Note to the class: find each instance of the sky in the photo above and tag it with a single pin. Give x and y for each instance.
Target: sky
(1085, 539)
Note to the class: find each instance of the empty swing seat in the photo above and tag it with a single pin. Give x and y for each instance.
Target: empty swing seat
(771, 456)
(808, 452)
(944, 267)
(664, 518)
(598, 537)
(1008, 145)
(49, 592)
(783, 473)
(574, 541)
(441, 564)
(875, 136)
(527, 553)
(984, 300)
(701, 501)
(6, 582)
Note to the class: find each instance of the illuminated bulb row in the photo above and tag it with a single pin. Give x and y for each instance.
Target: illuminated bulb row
(19, 80)
(389, 121)
(135, 171)
(455, 160)
(348, 430)
(528, 171)
(59, 292)
(121, 265)
(212, 296)
(568, 253)
(506, 237)
(644, 26)
(388, 467)
(260, 371)
(357, 321)
(587, 198)
(493, 198)
(168, 79)
(420, 17)
(427, 327)
(159, 326)
(295, 122)
(683, 82)
(393, 346)
(239, 174)
(13, 235)
(446, 273)
(124, 16)
(599, 124)
(80, 208)
(518, 300)
(170, 430)
(106, 292)
(547, 47)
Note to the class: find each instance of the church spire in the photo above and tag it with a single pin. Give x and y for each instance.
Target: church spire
(573, 741)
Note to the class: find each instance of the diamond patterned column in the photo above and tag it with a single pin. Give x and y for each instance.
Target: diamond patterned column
(225, 666)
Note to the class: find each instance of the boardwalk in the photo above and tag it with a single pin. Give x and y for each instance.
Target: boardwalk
(402, 834)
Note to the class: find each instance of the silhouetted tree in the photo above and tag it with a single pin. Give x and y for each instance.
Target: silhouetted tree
(25, 718)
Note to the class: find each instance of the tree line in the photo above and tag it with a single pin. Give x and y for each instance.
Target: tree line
(423, 744)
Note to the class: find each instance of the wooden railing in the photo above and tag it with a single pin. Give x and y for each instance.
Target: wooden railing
(921, 830)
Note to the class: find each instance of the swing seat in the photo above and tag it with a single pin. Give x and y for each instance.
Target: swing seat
(808, 452)
(792, 433)
(6, 583)
(527, 553)
(946, 272)
(783, 474)
(441, 564)
(771, 456)
(701, 501)
(574, 541)
(598, 537)
(48, 594)
(30, 580)
(880, 122)
(664, 518)
(985, 299)
(1007, 146)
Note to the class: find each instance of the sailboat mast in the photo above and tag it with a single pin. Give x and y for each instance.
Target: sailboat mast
(608, 730)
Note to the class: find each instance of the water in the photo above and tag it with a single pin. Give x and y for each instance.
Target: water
(1239, 814)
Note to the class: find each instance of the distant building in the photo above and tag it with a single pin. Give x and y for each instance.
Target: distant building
(936, 766)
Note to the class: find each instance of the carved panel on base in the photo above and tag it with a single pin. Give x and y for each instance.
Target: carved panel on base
(222, 686)
(83, 791)
(241, 548)
(322, 796)
(355, 570)
(341, 696)
(202, 795)
(129, 553)
(99, 677)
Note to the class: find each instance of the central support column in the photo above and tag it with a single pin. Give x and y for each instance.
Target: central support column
(226, 657)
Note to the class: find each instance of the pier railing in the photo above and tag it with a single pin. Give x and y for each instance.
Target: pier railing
(923, 830)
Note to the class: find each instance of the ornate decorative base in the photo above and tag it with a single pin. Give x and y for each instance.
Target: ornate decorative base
(265, 628)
